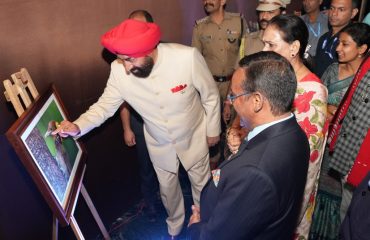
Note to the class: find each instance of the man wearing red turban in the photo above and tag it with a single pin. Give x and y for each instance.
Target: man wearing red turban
(132, 38)
(171, 87)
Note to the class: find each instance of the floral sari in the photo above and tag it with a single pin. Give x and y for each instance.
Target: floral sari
(310, 109)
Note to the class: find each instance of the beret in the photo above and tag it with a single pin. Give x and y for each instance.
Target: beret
(132, 38)
(271, 5)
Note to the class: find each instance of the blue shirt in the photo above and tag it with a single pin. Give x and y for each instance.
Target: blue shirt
(262, 127)
(315, 30)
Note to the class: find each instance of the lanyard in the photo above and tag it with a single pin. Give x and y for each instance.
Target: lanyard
(310, 27)
(329, 50)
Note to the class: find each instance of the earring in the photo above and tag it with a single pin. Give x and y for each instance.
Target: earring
(359, 56)
(293, 55)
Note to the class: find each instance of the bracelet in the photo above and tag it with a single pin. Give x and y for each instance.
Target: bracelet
(228, 131)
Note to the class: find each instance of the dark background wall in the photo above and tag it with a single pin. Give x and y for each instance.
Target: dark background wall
(58, 41)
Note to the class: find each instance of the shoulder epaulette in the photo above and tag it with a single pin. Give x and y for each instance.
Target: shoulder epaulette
(202, 20)
(253, 34)
(236, 14)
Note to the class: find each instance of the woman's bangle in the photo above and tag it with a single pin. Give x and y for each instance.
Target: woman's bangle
(229, 129)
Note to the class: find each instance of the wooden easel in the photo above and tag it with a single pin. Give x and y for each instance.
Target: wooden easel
(18, 93)
(17, 90)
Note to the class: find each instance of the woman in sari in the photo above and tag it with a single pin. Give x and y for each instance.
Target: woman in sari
(354, 40)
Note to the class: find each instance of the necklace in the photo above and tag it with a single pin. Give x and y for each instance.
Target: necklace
(316, 34)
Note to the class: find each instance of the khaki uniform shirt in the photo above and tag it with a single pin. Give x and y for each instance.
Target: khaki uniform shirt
(219, 44)
(253, 43)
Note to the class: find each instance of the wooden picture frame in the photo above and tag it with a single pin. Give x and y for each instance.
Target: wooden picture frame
(55, 164)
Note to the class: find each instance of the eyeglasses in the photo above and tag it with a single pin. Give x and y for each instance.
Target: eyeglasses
(231, 97)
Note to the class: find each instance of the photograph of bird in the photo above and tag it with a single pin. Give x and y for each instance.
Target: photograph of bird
(60, 154)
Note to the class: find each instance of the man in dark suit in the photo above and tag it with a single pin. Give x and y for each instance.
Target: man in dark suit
(357, 221)
(256, 194)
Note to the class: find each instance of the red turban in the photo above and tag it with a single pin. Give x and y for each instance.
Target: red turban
(132, 38)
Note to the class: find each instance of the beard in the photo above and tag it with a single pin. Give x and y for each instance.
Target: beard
(144, 70)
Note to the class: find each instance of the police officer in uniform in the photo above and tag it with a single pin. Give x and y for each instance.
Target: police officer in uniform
(266, 10)
(218, 37)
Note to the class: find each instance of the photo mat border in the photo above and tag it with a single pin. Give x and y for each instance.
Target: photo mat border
(62, 210)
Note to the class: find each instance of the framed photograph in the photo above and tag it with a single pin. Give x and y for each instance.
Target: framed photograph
(56, 164)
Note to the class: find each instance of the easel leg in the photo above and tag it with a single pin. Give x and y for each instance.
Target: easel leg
(74, 226)
(94, 213)
(76, 229)
(55, 228)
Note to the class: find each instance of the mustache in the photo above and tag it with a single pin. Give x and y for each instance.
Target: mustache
(263, 21)
(209, 5)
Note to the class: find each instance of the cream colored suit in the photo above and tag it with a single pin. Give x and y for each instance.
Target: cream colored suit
(180, 105)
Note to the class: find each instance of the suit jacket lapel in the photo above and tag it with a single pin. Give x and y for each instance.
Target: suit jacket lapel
(241, 149)
(272, 131)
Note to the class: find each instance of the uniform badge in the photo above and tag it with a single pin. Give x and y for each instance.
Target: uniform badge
(231, 40)
(231, 35)
(216, 176)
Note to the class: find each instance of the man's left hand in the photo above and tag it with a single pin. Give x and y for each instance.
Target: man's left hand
(212, 141)
(195, 217)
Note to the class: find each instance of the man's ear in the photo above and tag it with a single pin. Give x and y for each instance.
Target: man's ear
(257, 100)
(354, 12)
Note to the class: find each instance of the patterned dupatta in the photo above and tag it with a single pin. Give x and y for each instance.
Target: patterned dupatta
(344, 105)
(361, 165)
